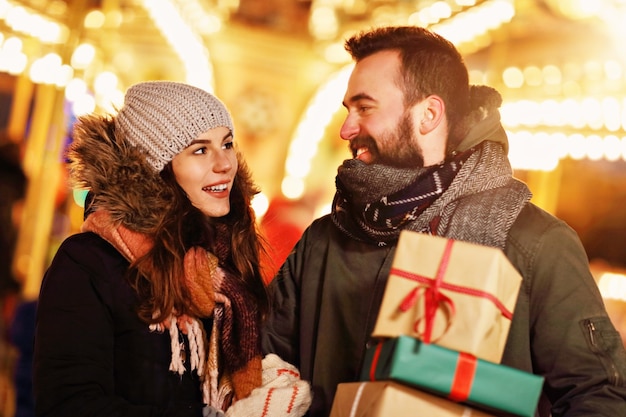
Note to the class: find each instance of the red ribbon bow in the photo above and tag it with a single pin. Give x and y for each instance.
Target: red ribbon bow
(434, 298)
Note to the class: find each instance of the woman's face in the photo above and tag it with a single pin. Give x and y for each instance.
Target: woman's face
(206, 169)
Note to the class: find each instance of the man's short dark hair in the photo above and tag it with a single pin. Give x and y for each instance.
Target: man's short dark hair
(430, 65)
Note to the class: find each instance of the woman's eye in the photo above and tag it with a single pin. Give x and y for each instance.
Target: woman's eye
(200, 151)
(229, 145)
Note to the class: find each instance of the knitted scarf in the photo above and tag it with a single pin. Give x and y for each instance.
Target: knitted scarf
(471, 196)
(235, 340)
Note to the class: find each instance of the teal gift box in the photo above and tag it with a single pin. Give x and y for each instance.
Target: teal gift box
(456, 375)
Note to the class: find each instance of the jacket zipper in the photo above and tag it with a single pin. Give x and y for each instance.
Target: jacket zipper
(592, 330)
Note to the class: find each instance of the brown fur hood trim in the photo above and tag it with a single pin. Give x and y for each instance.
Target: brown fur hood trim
(123, 183)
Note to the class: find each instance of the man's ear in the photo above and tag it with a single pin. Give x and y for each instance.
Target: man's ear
(432, 110)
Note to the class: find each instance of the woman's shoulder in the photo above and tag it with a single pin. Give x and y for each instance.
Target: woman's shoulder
(86, 240)
(85, 263)
(90, 250)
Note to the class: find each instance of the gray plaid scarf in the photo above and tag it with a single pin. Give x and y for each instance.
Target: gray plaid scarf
(472, 196)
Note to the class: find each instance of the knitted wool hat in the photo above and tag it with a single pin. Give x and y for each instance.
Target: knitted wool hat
(162, 118)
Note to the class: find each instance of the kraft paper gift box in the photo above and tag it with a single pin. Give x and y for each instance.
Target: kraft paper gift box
(457, 294)
(458, 376)
(389, 399)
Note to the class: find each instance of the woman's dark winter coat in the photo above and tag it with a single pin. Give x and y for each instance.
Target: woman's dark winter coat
(118, 366)
(93, 355)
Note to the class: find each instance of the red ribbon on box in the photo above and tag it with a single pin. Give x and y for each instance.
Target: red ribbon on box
(463, 375)
(433, 297)
(379, 348)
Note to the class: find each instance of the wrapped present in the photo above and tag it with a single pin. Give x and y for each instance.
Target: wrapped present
(456, 375)
(457, 294)
(386, 398)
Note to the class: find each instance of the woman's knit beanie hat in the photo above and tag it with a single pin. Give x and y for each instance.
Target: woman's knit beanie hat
(162, 118)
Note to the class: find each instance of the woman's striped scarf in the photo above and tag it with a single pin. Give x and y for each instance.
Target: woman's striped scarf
(229, 364)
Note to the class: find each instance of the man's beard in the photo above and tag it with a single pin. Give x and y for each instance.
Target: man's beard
(401, 150)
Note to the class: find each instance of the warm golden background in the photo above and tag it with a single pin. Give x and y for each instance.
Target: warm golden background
(280, 67)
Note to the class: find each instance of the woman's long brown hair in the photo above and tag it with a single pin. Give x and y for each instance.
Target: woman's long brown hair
(123, 183)
(234, 239)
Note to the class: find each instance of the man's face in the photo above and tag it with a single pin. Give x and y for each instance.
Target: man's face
(378, 126)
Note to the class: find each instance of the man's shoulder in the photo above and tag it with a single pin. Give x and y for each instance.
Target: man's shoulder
(533, 218)
(321, 225)
(534, 226)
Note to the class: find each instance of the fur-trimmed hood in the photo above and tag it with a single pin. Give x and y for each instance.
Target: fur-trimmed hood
(123, 183)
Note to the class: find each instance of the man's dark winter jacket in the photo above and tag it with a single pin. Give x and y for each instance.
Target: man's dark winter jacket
(327, 296)
(339, 284)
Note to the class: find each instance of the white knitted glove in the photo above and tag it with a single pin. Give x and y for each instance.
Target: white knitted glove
(283, 393)
(209, 411)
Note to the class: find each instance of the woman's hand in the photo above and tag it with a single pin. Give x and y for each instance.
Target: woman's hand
(209, 411)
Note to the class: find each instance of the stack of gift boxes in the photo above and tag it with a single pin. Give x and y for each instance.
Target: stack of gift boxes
(440, 335)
